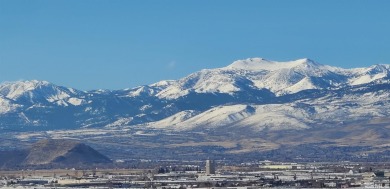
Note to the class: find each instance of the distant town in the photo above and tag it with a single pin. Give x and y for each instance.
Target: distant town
(206, 174)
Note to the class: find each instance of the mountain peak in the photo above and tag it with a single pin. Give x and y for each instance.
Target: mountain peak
(33, 91)
(27, 83)
(380, 67)
(15, 89)
(258, 64)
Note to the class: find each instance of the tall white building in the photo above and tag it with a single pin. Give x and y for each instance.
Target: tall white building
(210, 167)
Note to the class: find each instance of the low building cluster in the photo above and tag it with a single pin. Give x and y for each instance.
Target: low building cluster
(212, 174)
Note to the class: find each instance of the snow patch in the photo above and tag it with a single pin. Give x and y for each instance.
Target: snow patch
(120, 122)
(75, 101)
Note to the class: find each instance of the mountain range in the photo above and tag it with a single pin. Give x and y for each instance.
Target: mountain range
(297, 111)
(255, 93)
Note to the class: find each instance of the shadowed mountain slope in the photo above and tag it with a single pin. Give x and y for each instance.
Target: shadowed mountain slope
(57, 152)
(63, 152)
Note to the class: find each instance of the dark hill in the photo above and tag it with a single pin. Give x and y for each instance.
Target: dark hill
(63, 152)
(53, 153)
(12, 158)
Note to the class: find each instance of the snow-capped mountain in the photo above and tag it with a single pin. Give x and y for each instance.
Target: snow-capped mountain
(253, 93)
(40, 92)
(279, 77)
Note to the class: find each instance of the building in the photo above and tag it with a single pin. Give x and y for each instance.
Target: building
(210, 167)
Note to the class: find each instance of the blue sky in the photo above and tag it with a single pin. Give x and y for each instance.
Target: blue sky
(114, 44)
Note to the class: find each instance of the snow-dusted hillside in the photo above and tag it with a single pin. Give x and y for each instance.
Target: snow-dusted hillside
(330, 110)
(253, 93)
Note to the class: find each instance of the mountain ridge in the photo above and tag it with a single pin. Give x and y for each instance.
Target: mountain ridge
(253, 82)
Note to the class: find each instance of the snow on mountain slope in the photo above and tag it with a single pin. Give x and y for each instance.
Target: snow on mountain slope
(278, 81)
(205, 81)
(290, 77)
(258, 64)
(370, 74)
(329, 110)
(142, 90)
(13, 90)
(257, 73)
(174, 119)
(149, 90)
(76, 101)
(255, 93)
(6, 105)
(215, 117)
(304, 84)
(39, 91)
(120, 122)
(277, 117)
(162, 84)
(258, 117)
